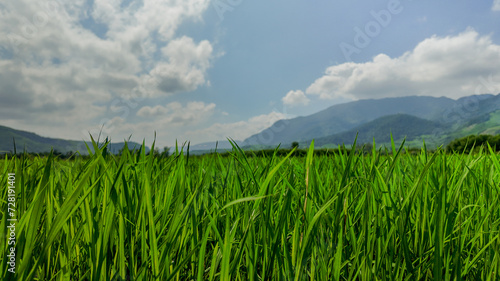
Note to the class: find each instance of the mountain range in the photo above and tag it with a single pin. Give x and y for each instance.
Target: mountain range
(414, 118)
(34, 143)
(437, 120)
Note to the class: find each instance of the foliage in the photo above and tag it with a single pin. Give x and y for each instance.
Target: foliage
(341, 216)
(474, 142)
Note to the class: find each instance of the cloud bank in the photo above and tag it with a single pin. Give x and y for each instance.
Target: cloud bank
(496, 6)
(176, 114)
(452, 66)
(62, 63)
(295, 98)
(238, 130)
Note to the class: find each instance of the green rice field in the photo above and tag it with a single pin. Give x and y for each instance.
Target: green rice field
(384, 215)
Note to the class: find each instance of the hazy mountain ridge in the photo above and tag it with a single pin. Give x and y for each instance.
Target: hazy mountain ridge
(399, 125)
(222, 144)
(329, 124)
(416, 117)
(38, 144)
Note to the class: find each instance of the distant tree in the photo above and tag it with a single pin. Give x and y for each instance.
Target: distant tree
(466, 144)
(68, 154)
(130, 150)
(295, 144)
(56, 152)
(155, 152)
(166, 151)
(365, 148)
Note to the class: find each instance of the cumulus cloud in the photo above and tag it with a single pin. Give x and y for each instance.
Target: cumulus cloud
(451, 66)
(167, 122)
(176, 114)
(57, 70)
(184, 69)
(148, 111)
(237, 130)
(496, 5)
(139, 17)
(53, 95)
(295, 98)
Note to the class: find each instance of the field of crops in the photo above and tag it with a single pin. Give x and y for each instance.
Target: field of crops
(349, 216)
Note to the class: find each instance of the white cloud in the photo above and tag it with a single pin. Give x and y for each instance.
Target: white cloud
(295, 98)
(148, 111)
(496, 5)
(185, 69)
(168, 122)
(176, 114)
(451, 66)
(137, 21)
(58, 72)
(237, 130)
(46, 95)
(37, 33)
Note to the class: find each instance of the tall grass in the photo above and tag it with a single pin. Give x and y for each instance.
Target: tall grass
(433, 216)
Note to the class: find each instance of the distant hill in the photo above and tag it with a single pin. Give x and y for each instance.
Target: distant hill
(36, 144)
(207, 146)
(343, 117)
(437, 120)
(115, 147)
(400, 125)
(488, 123)
(346, 118)
(32, 142)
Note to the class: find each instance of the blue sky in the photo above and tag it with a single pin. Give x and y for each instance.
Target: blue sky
(203, 70)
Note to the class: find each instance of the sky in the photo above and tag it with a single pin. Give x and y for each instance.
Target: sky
(206, 70)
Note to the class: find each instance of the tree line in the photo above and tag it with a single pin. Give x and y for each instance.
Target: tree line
(471, 143)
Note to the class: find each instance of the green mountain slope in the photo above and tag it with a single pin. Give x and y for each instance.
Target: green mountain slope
(342, 117)
(454, 114)
(37, 144)
(32, 142)
(488, 123)
(400, 125)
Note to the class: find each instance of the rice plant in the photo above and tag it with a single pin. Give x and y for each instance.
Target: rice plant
(348, 216)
